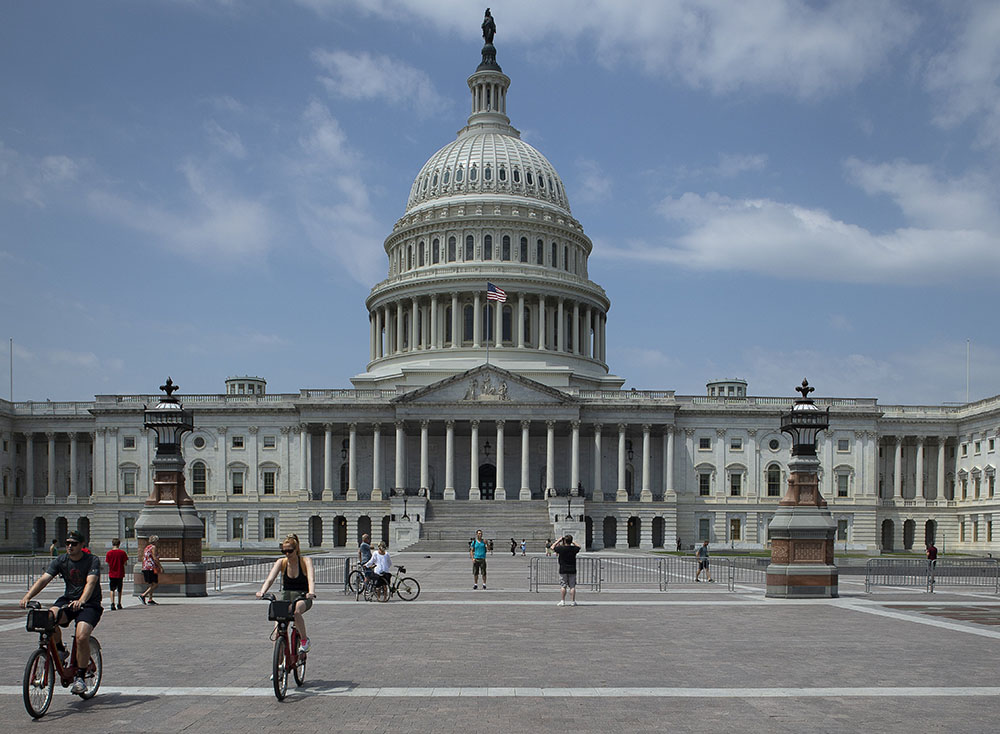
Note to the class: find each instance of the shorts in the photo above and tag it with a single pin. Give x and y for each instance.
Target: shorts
(289, 595)
(479, 565)
(116, 584)
(567, 580)
(89, 612)
(702, 565)
(149, 577)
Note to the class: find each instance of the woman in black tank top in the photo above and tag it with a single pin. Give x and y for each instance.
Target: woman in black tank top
(300, 582)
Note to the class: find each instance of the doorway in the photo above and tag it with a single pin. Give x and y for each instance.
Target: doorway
(487, 481)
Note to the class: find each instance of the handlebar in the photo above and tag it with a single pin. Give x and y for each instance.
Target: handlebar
(33, 605)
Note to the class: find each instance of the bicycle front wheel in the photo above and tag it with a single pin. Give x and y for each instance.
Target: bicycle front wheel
(94, 671)
(279, 674)
(355, 581)
(408, 589)
(39, 679)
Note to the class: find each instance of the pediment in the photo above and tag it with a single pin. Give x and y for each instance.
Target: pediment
(484, 385)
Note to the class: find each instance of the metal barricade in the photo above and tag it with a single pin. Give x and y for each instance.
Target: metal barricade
(631, 571)
(544, 571)
(22, 569)
(242, 570)
(900, 572)
(964, 572)
(746, 571)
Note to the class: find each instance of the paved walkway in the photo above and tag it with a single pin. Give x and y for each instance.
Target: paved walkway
(696, 658)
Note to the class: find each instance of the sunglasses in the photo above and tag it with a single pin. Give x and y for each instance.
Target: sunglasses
(287, 550)
(70, 543)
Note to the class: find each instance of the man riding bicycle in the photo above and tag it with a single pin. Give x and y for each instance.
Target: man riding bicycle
(81, 600)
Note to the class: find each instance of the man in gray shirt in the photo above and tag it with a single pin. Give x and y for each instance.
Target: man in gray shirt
(702, 555)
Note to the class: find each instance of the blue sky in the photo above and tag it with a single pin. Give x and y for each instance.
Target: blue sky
(774, 189)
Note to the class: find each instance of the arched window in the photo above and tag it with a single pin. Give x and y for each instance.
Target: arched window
(473, 174)
(531, 181)
(541, 181)
(409, 257)
(488, 247)
(451, 250)
(470, 248)
(503, 173)
(420, 253)
(505, 250)
(487, 174)
(569, 332)
(447, 324)
(774, 481)
(459, 175)
(554, 262)
(527, 324)
(524, 249)
(517, 176)
(447, 175)
(566, 257)
(199, 478)
(406, 330)
(539, 253)
(434, 181)
(436, 251)
(507, 318)
(469, 319)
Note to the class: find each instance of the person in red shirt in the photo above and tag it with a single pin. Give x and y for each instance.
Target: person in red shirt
(116, 560)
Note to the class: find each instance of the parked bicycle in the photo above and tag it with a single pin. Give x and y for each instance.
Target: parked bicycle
(378, 589)
(46, 663)
(286, 658)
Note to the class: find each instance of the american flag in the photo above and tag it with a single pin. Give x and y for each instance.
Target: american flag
(495, 294)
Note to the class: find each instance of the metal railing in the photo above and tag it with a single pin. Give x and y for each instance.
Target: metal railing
(239, 570)
(746, 571)
(919, 573)
(544, 571)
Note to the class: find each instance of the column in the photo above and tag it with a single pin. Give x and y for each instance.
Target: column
(940, 469)
(352, 461)
(327, 462)
(400, 480)
(561, 328)
(497, 324)
(598, 491)
(897, 476)
(474, 493)
(303, 459)
(371, 336)
(550, 456)
(920, 471)
(586, 343)
(74, 489)
(541, 322)
(668, 471)
(602, 320)
(574, 466)
(399, 326)
(501, 492)
(435, 336)
(377, 462)
(477, 323)
(577, 341)
(646, 495)
(622, 494)
(425, 481)
(414, 310)
(100, 462)
(449, 460)
(50, 488)
(520, 321)
(456, 335)
(379, 324)
(525, 493)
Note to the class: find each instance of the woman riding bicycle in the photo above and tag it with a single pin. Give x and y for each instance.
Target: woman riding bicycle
(382, 563)
(297, 578)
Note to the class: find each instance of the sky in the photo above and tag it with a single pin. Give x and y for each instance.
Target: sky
(774, 189)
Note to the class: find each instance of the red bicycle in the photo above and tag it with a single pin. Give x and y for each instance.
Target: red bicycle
(45, 664)
(287, 658)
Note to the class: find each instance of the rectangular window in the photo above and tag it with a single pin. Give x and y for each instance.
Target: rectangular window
(199, 478)
(990, 445)
(977, 446)
(965, 449)
(269, 528)
(976, 486)
(841, 529)
(843, 481)
(129, 527)
(269, 476)
(270, 442)
(735, 484)
(991, 482)
(961, 531)
(735, 529)
(975, 532)
(128, 482)
(237, 442)
(704, 444)
(704, 529)
(6, 446)
(128, 442)
(843, 445)
(736, 444)
(704, 484)
(237, 528)
(237, 482)
(965, 488)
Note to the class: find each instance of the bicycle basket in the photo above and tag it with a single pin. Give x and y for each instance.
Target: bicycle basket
(39, 620)
(280, 611)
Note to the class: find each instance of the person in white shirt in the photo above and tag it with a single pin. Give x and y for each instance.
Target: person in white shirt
(382, 565)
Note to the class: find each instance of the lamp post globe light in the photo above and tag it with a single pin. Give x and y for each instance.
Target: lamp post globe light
(803, 529)
(169, 511)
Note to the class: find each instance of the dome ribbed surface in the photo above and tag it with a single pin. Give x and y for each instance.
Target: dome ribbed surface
(488, 163)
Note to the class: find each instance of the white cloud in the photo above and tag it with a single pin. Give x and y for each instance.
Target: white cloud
(363, 76)
(593, 183)
(25, 178)
(794, 46)
(966, 76)
(733, 164)
(226, 140)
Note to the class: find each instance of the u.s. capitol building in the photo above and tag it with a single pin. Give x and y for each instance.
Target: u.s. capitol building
(499, 412)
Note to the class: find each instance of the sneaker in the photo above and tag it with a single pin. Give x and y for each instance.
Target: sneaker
(153, 602)
(143, 600)
(303, 645)
(484, 587)
(697, 581)
(711, 581)
(561, 604)
(572, 603)
(79, 686)
(475, 586)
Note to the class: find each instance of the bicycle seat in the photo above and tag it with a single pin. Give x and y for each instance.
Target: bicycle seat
(401, 569)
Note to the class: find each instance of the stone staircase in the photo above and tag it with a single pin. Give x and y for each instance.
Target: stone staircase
(449, 525)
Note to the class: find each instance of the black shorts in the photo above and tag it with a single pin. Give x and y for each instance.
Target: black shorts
(89, 612)
(116, 584)
(149, 576)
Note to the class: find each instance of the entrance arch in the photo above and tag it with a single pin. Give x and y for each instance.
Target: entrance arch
(659, 531)
(315, 531)
(38, 530)
(930, 532)
(62, 528)
(909, 530)
(888, 531)
(364, 526)
(610, 532)
(487, 481)
(339, 531)
(634, 527)
(83, 525)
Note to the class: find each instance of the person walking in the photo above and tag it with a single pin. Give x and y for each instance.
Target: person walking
(477, 552)
(702, 555)
(116, 559)
(524, 546)
(548, 547)
(54, 548)
(151, 570)
(513, 547)
(566, 550)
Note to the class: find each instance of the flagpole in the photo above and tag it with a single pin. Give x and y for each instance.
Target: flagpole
(489, 320)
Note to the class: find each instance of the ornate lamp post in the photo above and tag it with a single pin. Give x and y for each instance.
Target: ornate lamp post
(169, 511)
(803, 530)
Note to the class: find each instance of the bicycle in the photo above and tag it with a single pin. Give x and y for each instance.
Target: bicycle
(45, 663)
(377, 589)
(355, 581)
(286, 658)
